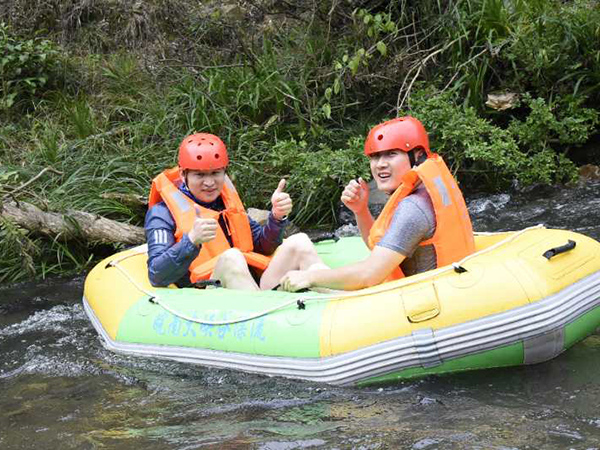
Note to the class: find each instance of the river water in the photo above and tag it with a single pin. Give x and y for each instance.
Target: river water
(61, 389)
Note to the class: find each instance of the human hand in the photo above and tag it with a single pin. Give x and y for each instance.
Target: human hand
(356, 195)
(281, 202)
(203, 230)
(295, 280)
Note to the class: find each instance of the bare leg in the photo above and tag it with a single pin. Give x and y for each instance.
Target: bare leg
(233, 272)
(295, 253)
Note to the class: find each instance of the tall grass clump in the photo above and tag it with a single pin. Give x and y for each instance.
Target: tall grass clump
(26, 257)
(542, 47)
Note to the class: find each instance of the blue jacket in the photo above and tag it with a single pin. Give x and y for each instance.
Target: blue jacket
(169, 261)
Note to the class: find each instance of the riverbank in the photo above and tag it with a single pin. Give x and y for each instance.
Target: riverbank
(98, 101)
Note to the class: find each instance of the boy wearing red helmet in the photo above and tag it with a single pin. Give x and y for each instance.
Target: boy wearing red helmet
(424, 224)
(197, 227)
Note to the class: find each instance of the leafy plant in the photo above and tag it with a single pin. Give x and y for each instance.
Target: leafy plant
(370, 33)
(26, 67)
(564, 122)
(556, 47)
(19, 253)
(528, 150)
(316, 175)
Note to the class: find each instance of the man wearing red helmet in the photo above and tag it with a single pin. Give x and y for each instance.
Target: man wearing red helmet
(197, 227)
(424, 224)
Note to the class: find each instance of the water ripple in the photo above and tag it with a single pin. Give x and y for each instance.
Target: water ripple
(58, 319)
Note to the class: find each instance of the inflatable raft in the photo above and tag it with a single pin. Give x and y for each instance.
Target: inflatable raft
(522, 298)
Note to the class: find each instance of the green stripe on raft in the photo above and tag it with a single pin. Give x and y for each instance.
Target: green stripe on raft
(582, 327)
(510, 355)
(277, 334)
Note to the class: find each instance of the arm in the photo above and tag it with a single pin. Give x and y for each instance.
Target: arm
(268, 237)
(356, 198)
(168, 261)
(364, 221)
(413, 222)
(373, 270)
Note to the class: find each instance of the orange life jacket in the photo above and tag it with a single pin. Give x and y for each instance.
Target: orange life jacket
(453, 237)
(184, 212)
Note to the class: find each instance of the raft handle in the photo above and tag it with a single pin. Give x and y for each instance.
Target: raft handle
(458, 268)
(570, 245)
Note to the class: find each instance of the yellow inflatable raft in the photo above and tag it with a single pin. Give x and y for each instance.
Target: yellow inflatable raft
(522, 298)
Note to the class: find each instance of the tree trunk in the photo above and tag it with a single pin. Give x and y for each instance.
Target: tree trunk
(71, 224)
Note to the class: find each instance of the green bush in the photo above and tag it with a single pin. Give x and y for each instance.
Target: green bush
(26, 67)
(316, 175)
(530, 149)
(556, 124)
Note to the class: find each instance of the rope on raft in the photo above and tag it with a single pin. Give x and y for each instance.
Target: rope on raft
(301, 301)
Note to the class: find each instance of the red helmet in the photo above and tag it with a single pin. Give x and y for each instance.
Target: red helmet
(203, 151)
(402, 133)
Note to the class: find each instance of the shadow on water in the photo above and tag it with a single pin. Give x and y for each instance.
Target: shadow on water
(62, 389)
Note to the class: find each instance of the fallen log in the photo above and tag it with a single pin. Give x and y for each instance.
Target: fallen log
(88, 226)
(71, 224)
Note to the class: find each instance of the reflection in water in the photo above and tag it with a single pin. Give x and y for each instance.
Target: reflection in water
(62, 389)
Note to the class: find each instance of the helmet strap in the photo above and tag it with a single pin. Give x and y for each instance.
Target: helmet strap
(411, 158)
(414, 162)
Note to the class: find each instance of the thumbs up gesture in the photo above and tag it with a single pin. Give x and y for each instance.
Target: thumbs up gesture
(203, 230)
(356, 195)
(281, 202)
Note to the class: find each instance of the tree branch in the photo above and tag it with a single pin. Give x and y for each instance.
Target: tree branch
(27, 183)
